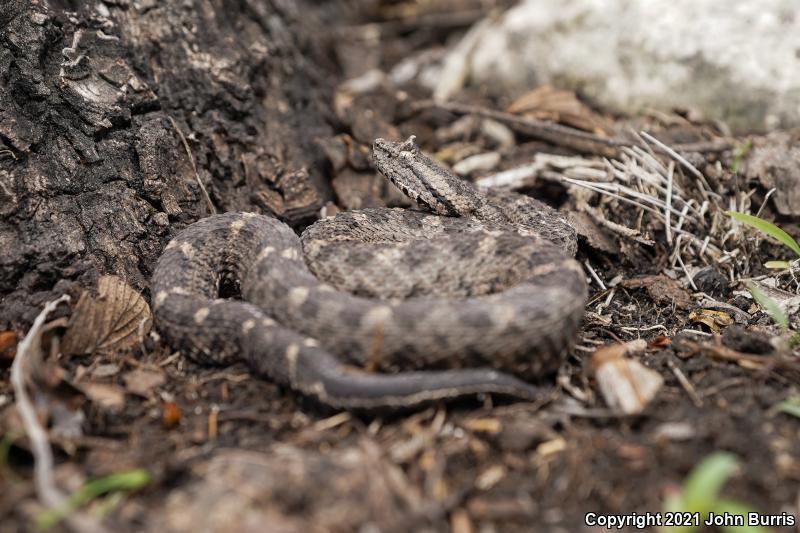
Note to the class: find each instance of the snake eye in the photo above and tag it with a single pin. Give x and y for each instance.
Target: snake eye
(406, 157)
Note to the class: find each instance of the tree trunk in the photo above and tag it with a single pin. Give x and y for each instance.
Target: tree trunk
(114, 118)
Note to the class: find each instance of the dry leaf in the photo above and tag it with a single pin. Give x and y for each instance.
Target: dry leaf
(141, 381)
(613, 352)
(715, 320)
(626, 384)
(662, 290)
(114, 320)
(659, 343)
(548, 103)
(109, 397)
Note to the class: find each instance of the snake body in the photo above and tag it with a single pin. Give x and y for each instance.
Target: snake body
(436, 305)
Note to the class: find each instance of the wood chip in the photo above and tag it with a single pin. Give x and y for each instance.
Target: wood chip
(490, 477)
(114, 320)
(142, 381)
(460, 522)
(626, 385)
(484, 425)
(551, 447)
(477, 163)
(109, 397)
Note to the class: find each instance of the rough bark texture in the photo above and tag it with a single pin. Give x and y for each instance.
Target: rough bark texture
(94, 101)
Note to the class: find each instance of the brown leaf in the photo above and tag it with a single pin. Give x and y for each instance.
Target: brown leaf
(548, 103)
(662, 290)
(112, 321)
(659, 343)
(715, 320)
(595, 236)
(141, 381)
(109, 397)
(627, 385)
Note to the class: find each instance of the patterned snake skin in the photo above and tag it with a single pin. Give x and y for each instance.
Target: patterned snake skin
(382, 308)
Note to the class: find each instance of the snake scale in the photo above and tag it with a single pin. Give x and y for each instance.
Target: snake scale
(382, 308)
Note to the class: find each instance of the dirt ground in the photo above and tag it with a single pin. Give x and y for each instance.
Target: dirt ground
(227, 451)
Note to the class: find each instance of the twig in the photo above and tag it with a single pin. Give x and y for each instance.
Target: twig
(682, 160)
(685, 383)
(668, 203)
(764, 203)
(206, 197)
(557, 134)
(686, 271)
(595, 276)
(44, 480)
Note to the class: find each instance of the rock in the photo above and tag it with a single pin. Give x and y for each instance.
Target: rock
(775, 162)
(656, 54)
(711, 281)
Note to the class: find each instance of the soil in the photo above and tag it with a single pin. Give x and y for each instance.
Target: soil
(245, 99)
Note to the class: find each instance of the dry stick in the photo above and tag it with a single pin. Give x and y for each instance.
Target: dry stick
(685, 271)
(633, 193)
(206, 197)
(596, 188)
(663, 176)
(685, 383)
(557, 134)
(764, 203)
(603, 189)
(668, 206)
(595, 276)
(44, 480)
(682, 160)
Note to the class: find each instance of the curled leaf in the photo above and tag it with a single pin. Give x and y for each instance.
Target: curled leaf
(114, 320)
(715, 320)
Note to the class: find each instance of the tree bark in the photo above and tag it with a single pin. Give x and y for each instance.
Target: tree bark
(113, 115)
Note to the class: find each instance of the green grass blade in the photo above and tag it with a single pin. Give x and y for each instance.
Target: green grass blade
(702, 487)
(738, 509)
(778, 265)
(124, 481)
(674, 503)
(739, 154)
(790, 406)
(767, 228)
(770, 306)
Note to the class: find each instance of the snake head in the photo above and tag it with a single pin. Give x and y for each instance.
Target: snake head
(422, 179)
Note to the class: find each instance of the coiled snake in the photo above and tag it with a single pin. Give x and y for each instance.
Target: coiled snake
(443, 304)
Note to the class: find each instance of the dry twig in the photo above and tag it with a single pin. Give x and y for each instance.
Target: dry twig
(44, 480)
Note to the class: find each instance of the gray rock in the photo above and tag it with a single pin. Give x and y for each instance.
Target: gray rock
(734, 60)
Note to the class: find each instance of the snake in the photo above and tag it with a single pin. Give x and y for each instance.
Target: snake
(472, 292)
